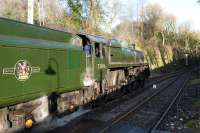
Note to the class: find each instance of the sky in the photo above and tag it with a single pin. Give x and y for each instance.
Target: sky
(186, 11)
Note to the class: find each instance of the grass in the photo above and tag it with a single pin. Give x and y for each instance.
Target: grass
(197, 104)
(194, 82)
(194, 124)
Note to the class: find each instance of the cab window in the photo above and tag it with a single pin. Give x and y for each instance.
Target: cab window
(97, 49)
(103, 51)
(87, 47)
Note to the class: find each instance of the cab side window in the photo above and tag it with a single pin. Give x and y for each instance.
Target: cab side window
(103, 51)
(87, 47)
(97, 49)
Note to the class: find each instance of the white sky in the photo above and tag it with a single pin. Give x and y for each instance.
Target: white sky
(186, 11)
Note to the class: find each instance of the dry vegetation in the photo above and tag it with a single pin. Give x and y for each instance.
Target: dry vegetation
(155, 32)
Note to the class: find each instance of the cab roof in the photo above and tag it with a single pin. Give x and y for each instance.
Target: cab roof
(94, 38)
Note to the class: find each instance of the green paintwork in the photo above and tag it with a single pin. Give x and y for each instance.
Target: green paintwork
(15, 28)
(67, 62)
(62, 65)
(98, 61)
(68, 65)
(115, 43)
(121, 56)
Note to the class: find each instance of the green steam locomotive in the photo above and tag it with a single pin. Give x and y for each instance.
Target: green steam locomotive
(44, 70)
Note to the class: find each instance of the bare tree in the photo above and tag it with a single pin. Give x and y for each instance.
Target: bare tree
(14, 9)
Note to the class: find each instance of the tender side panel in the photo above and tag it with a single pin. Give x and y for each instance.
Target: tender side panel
(75, 67)
(10, 88)
(52, 71)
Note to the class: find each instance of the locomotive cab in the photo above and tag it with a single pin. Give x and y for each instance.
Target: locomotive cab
(94, 48)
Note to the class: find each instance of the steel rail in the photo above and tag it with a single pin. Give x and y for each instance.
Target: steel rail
(156, 125)
(147, 99)
(167, 74)
(147, 86)
(161, 78)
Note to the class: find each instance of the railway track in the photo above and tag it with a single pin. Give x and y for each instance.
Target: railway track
(126, 98)
(156, 80)
(44, 126)
(164, 77)
(164, 114)
(134, 92)
(154, 122)
(167, 74)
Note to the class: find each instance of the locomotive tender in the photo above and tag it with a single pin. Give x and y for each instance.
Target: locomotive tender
(44, 70)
